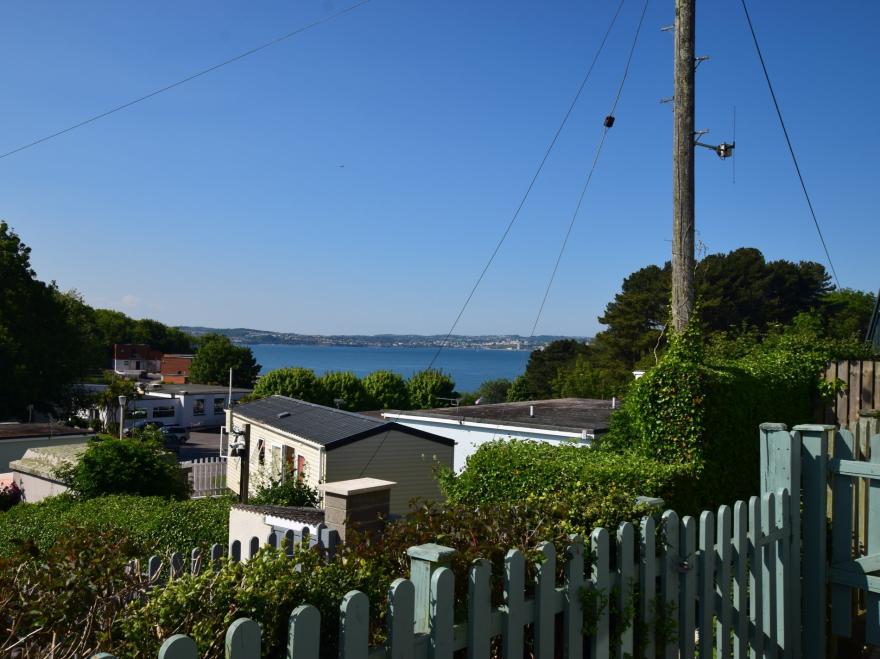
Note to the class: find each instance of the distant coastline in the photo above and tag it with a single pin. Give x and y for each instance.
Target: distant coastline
(246, 336)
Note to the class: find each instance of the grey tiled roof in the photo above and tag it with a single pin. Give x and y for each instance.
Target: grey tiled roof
(323, 425)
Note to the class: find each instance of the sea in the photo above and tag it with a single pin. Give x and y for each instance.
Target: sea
(469, 367)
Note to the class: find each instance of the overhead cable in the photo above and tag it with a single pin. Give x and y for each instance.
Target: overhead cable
(609, 122)
(788, 141)
(183, 81)
(531, 184)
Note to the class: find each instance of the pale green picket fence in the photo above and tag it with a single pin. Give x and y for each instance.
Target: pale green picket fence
(704, 570)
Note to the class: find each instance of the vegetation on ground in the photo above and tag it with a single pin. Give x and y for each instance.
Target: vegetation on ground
(138, 466)
(289, 490)
(215, 355)
(150, 525)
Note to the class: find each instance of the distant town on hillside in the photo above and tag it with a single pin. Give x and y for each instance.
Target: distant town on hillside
(245, 336)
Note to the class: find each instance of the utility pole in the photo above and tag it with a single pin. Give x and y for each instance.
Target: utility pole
(244, 473)
(683, 166)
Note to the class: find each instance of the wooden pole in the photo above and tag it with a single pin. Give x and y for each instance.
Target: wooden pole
(683, 167)
(244, 472)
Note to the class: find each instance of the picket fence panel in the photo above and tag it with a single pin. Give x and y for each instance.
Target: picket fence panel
(692, 593)
(159, 570)
(207, 476)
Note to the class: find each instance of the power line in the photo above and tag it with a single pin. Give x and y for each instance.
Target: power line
(531, 184)
(601, 144)
(166, 88)
(788, 141)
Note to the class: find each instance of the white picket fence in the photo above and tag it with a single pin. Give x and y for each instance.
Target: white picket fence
(207, 476)
(722, 584)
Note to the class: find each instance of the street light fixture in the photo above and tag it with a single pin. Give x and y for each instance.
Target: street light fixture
(122, 401)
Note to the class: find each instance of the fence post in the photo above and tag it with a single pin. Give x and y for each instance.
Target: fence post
(781, 469)
(425, 560)
(814, 468)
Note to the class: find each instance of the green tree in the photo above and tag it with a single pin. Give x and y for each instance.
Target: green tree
(39, 351)
(582, 379)
(216, 355)
(427, 389)
(107, 400)
(295, 382)
(125, 466)
(493, 391)
(519, 390)
(348, 389)
(543, 365)
(846, 313)
(387, 389)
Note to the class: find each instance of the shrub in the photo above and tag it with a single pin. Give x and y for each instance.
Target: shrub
(585, 487)
(703, 405)
(125, 466)
(9, 496)
(57, 601)
(288, 491)
(148, 524)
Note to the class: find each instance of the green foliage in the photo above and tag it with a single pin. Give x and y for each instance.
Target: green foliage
(427, 388)
(587, 487)
(582, 379)
(288, 491)
(703, 405)
(148, 524)
(39, 351)
(57, 600)
(216, 355)
(296, 382)
(387, 389)
(348, 389)
(544, 364)
(519, 390)
(494, 391)
(125, 466)
(107, 400)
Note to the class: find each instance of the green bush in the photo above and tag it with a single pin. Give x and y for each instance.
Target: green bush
(428, 388)
(387, 389)
(58, 601)
(288, 491)
(702, 405)
(125, 466)
(147, 524)
(346, 390)
(586, 487)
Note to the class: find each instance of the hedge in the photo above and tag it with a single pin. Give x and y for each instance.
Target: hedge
(590, 488)
(147, 524)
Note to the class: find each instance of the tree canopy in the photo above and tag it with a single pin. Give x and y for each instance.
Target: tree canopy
(216, 354)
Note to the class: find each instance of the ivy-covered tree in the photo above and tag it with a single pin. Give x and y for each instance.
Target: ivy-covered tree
(429, 388)
(387, 389)
(216, 355)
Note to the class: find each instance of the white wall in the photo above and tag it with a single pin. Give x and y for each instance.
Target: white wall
(469, 437)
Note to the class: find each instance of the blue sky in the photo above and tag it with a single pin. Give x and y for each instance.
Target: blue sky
(225, 202)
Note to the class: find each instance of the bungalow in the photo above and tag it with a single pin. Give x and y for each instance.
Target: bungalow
(573, 420)
(188, 405)
(323, 444)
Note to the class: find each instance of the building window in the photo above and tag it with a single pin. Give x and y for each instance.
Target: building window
(219, 404)
(199, 407)
(300, 467)
(163, 412)
(261, 451)
(137, 414)
(289, 455)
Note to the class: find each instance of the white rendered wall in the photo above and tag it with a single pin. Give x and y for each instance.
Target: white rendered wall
(468, 438)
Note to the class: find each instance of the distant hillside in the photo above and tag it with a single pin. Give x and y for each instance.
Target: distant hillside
(243, 335)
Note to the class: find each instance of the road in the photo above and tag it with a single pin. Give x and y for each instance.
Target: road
(201, 445)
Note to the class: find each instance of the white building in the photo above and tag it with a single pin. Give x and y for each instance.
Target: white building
(188, 405)
(571, 420)
(323, 444)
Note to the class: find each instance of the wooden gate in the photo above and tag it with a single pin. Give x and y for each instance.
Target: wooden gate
(820, 463)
